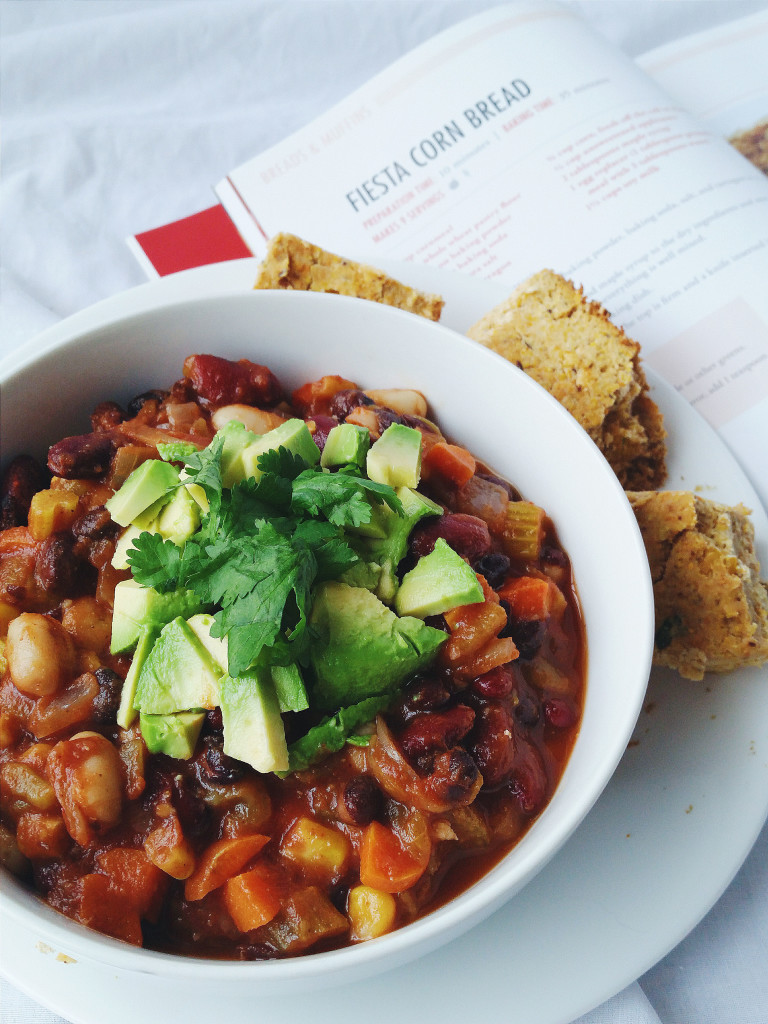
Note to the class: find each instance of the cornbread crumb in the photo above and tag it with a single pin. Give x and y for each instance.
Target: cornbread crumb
(570, 346)
(711, 606)
(753, 144)
(293, 263)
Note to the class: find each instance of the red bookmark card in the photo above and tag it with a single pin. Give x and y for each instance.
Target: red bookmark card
(205, 237)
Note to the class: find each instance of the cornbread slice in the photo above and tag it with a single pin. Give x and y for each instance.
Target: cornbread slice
(570, 346)
(753, 144)
(293, 263)
(711, 606)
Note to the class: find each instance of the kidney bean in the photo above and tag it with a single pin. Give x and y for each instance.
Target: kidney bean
(95, 524)
(467, 535)
(455, 775)
(23, 478)
(494, 567)
(499, 682)
(484, 473)
(363, 800)
(343, 402)
(435, 730)
(107, 700)
(387, 417)
(560, 713)
(83, 456)
(529, 777)
(137, 404)
(105, 416)
(553, 556)
(57, 567)
(224, 382)
(323, 426)
(493, 742)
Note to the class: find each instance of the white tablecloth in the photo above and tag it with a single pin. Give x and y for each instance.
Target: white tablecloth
(119, 115)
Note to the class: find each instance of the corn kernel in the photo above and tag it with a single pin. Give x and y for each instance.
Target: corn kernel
(317, 848)
(51, 511)
(371, 912)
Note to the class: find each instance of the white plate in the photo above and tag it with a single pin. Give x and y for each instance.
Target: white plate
(669, 833)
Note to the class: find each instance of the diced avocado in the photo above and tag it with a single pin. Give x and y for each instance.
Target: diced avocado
(347, 444)
(124, 544)
(438, 582)
(126, 712)
(173, 735)
(388, 550)
(148, 483)
(136, 607)
(200, 625)
(195, 491)
(178, 675)
(146, 520)
(293, 434)
(180, 518)
(289, 687)
(362, 574)
(253, 728)
(236, 439)
(360, 648)
(395, 459)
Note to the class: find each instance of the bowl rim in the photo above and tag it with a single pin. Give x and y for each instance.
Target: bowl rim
(423, 934)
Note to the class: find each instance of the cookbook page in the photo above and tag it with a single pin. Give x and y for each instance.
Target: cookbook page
(519, 140)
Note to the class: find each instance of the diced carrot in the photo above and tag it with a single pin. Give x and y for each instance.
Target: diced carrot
(530, 597)
(254, 897)
(385, 864)
(222, 860)
(315, 396)
(137, 882)
(472, 626)
(16, 538)
(449, 461)
(101, 908)
(42, 836)
(499, 651)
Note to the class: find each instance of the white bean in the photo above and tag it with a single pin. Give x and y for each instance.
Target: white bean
(40, 653)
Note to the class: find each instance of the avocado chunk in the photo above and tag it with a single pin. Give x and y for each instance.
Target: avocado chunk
(289, 687)
(173, 735)
(360, 648)
(179, 519)
(438, 582)
(147, 484)
(178, 674)
(389, 549)
(124, 545)
(347, 444)
(136, 607)
(395, 459)
(293, 434)
(236, 439)
(200, 625)
(126, 712)
(253, 728)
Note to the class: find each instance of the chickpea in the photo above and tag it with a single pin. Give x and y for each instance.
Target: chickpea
(87, 777)
(89, 622)
(40, 653)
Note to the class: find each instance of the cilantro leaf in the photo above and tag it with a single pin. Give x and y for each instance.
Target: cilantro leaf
(332, 732)
(155, 562)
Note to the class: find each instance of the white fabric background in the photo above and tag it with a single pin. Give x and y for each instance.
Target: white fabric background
(119, 115)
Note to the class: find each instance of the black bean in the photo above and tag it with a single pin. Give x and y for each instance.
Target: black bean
(135, 404)
(218, 766)
(108, 700)
(195, 815)
(494, 566)
(343, 402)
(528, 634)
(106, 415)
(95, 524)
(363, 799)
(23, 478)
(455, 774)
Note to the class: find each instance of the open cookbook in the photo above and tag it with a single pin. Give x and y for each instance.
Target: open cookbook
(520, 139)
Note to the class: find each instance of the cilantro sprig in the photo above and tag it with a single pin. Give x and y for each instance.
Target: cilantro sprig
(261, 548)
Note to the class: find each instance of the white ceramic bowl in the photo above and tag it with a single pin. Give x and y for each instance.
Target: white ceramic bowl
(122, 347)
